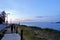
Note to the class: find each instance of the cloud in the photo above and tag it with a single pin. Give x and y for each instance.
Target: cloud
(42, 19)
(33, 19)
(39, 16)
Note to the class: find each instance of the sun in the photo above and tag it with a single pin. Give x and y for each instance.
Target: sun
(9, 16)
(12, 16)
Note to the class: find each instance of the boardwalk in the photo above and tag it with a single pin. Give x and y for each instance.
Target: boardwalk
(12, 36)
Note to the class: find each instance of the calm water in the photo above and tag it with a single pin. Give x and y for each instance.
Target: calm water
(52, 25)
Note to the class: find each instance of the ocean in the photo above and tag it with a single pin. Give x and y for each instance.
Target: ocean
(52, 25)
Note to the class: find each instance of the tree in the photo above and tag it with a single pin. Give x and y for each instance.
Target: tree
(3, 15)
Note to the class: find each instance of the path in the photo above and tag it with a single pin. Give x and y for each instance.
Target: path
(12, 36)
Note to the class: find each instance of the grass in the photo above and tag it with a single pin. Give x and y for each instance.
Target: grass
(28, 34)
(1, 35)
(31, 33)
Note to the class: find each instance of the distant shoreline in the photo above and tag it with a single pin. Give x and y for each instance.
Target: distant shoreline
(57, 22)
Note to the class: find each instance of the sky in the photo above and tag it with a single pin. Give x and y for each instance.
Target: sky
(31, 10)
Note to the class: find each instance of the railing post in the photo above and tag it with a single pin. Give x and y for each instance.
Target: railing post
(21, 34)
(16, 29)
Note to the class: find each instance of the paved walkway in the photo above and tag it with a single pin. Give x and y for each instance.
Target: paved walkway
(12, 36)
